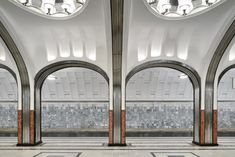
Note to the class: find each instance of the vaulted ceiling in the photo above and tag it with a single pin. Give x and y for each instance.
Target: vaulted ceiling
(43, 41)
(79, 84)
(75, 84)
(190, 40)
(159, 84)
(87, 37)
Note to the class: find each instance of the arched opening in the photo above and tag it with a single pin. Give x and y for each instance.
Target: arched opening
(72, 100)
(8, 103)
(75, 103)
(159, 103)
(162, 99)
(226, 103)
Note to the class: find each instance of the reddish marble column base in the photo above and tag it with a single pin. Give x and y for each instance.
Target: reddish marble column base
(202, 127)
(202, 130)
(110, 127)
(20, 128)
(32, 127)
(123, 127)
(214, 140)
(31, 131)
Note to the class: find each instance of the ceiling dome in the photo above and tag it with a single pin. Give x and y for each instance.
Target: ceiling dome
(53, 8)
(176, 9)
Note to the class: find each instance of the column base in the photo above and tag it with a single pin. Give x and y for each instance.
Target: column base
(29, 144)
(204, 144)
(117, 145)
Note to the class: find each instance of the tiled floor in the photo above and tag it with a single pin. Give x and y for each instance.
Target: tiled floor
(137, 147)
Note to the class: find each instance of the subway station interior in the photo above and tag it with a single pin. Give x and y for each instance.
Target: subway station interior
(117, 78)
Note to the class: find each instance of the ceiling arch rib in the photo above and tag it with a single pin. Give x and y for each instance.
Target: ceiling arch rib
(210, 81)
(193, 75)
(23, 130)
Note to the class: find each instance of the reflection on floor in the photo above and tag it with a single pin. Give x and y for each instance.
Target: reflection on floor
(137, 147)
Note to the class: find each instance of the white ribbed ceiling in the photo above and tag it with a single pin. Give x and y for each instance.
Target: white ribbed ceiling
(84, 84)
(75, 84)
(159, 84)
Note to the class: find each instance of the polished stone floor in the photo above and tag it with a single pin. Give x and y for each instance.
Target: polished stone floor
(137, 147)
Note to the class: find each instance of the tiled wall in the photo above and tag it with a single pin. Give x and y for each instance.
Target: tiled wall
(75, 115)
(226, 115)
(159, 115)
(8, 115)
(138, 115)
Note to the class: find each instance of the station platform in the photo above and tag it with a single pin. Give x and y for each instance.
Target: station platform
(136, 147)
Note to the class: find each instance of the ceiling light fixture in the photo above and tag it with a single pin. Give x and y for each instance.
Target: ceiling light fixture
(68, 6)
(164, 6)
(179, 8)
(24, 2)
(210, 2)
(185, 6)
(48, 6)
(51, 77)
(54, 8)
(183, 76)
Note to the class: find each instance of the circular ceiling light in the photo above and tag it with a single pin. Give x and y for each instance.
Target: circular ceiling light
(179, 8)
(53, 8)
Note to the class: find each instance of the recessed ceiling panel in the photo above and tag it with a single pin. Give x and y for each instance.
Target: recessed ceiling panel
(175, 9)
(58, 9)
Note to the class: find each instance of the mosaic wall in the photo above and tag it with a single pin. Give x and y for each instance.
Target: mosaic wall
(8, 115)
(159, 115)
(84, 116)
(226, 115)
(142, 116)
